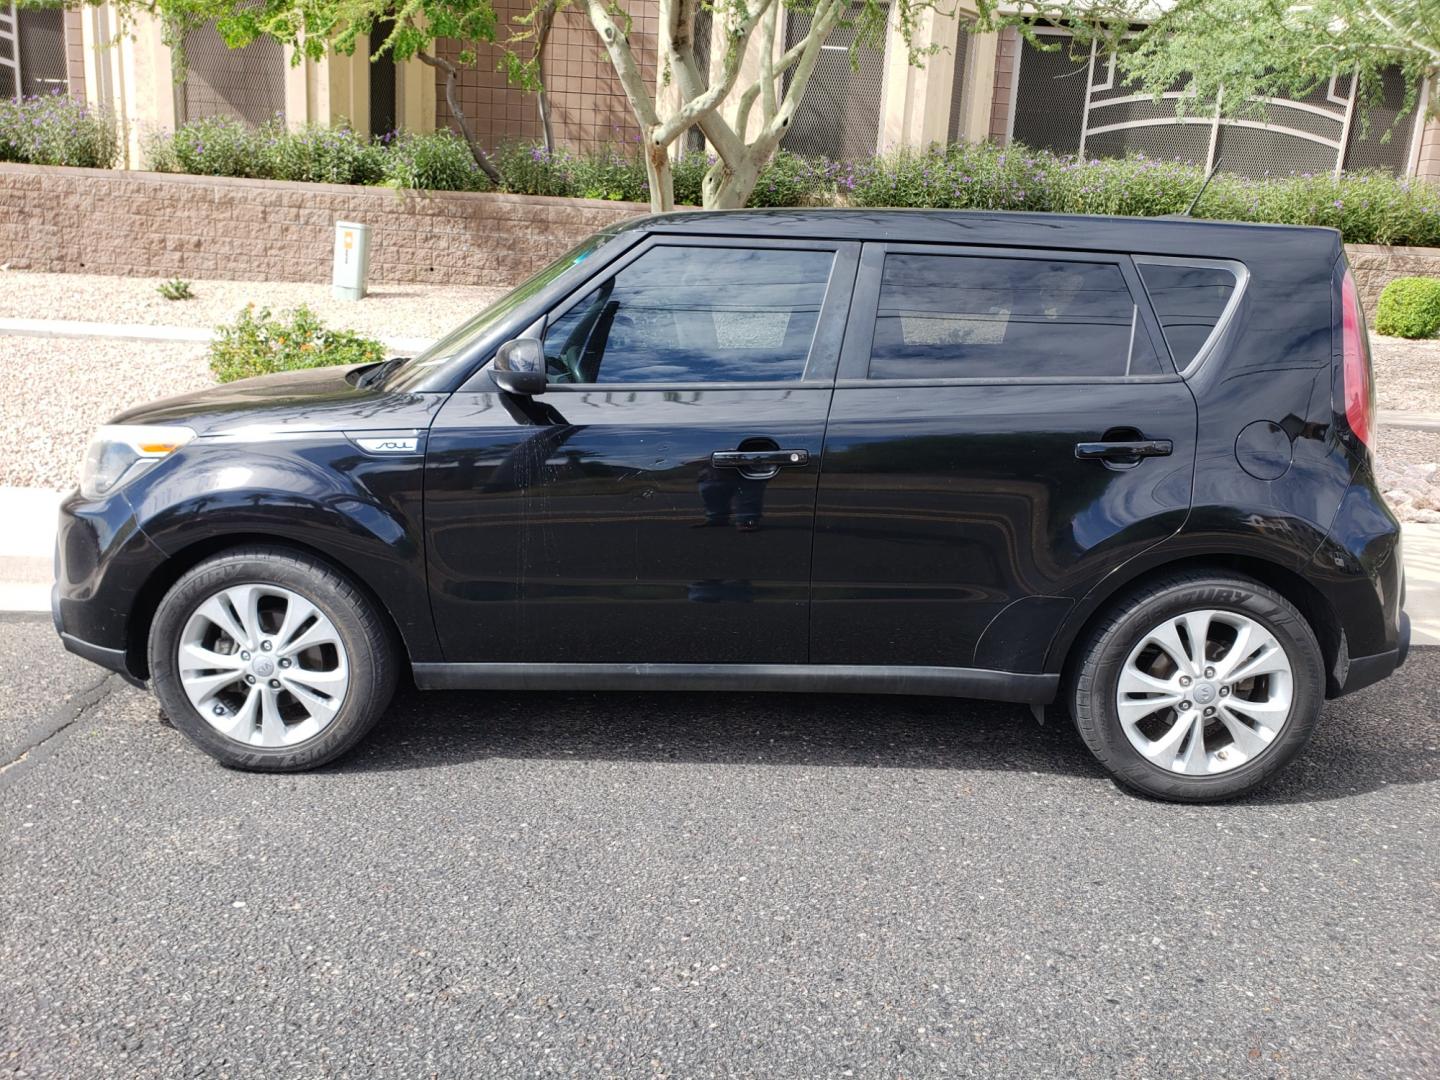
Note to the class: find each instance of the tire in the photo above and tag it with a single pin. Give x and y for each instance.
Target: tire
(1255, 725)
(313, 686)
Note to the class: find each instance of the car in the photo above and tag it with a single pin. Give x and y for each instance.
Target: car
(1119, 468)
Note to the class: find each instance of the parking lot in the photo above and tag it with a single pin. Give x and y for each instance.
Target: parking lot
(697, 885)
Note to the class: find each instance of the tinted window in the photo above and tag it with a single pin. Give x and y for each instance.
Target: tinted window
(702, 314)
(948, 317)
(1189, 301)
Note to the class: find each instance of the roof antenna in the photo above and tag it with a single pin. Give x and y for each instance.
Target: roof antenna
(1211, 176)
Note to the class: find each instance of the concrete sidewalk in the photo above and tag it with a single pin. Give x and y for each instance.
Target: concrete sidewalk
(27, 551)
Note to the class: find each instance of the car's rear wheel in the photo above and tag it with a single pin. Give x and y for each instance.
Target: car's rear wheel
(1199, 687)
(270, 660)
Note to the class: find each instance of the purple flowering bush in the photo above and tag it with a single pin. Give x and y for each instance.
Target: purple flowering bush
(55, 129)
(428, 161)
(1367, 207)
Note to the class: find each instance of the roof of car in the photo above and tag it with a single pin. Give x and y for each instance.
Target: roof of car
(1182, 236)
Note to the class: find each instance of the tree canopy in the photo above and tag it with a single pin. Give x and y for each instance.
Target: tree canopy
(1232, 54)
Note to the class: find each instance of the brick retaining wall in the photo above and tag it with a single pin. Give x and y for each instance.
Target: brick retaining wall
(103, 221)
(161, 225)
(1376, 266)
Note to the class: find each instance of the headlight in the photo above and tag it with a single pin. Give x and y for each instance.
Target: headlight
(120, 452)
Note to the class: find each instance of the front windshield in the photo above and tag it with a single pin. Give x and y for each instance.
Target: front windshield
(468, 334)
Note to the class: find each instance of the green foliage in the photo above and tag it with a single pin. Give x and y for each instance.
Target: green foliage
(1367, 207)
(610, 173)
(529, 169)
(790, 180)
(259, 343)
(318, 155)
(55, 129)
(1409, 308)
(218, 146)
(214, 146)
(1232, 54)
(175, 289)
(429, 161)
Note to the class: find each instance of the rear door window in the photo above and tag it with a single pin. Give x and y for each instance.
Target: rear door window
(1189, 302)
(956, 316)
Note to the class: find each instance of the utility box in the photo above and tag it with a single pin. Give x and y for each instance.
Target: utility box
(352, 260)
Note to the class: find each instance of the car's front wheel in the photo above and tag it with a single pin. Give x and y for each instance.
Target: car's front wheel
(1199, 687)
(270, 660)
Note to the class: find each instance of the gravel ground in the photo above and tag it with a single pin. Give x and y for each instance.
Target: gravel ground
(1410, 472)
(714, 885)
(408, 311)
(1407, 374)
(61, 389)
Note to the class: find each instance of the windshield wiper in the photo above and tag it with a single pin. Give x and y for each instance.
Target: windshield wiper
(372, 375)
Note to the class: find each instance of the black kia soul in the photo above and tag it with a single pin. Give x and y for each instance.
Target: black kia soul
(1117, 465)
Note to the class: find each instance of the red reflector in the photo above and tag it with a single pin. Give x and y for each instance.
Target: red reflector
(1356, 377)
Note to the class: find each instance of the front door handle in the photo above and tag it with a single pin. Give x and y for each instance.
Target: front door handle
(1124, 451)
(762, 459)
(760, 463)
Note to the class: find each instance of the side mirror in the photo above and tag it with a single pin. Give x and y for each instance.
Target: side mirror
(519, 367)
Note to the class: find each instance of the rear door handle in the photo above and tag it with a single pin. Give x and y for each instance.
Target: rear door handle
(1124, 451)
(760, 459)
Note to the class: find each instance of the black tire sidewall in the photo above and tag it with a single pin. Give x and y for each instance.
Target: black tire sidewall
(1098, 720)
(368, 654)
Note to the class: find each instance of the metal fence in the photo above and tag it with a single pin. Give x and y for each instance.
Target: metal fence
(32, 51)
(1075, 104)
(839, 116)
(246, 84)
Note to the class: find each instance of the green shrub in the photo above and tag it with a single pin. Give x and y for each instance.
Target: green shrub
(258, 343)
(55, 129)
(1409, 308)
(790, 180)
(529, 169)
(213, 146)
(176, 289)
(610, 173)
(689, 172)
(429, 161)
(317, 154)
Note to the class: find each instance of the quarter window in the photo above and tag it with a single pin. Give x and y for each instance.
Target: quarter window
(945, 316)
(694, 314)
(1189, 301)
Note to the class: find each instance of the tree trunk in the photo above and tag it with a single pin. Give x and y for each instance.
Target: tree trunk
(728, 187)
(544, 21)
(662, 180)
(452, 99)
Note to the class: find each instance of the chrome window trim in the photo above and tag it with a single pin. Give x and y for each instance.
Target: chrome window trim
(1238, 270)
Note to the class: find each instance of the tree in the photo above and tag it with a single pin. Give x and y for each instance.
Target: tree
(1231, 54)
(742, 138)
(744, 141)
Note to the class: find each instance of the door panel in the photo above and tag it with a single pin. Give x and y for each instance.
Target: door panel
(939, 506)
(601, 518)
(592, 524)
(945, 500)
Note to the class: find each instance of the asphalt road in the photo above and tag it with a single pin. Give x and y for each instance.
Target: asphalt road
(705, 885)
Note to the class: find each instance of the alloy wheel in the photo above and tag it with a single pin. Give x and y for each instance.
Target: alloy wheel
(263, 665)
(1205, 692)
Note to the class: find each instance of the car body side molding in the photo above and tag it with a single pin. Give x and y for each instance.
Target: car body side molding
(1030, 689)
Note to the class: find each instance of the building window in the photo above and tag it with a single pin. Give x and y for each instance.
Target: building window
(32, 51)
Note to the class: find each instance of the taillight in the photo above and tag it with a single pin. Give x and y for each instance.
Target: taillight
(1356, 379)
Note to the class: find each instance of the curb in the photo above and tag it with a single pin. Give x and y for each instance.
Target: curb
(1414, 421)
